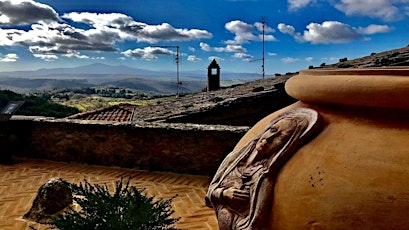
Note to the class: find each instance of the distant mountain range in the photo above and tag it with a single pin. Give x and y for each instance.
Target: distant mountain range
(103, 69)
(107, 75)
(91, 69)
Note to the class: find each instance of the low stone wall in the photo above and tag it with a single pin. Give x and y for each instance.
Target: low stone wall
(181, 148)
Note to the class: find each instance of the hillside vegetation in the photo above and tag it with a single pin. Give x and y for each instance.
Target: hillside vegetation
(36, 106)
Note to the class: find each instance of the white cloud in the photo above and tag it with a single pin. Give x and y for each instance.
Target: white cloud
(63, 39)
(215, 57)
(228, 48)
(49, 37)
(327, 32)
(272, 54)
(127, 28)
(330, 32)
(75, 54)
(289, 60)
(192, 49)
(147, 53)
(46, 57)
(11, 57)
(98, 20)
(288, 29)
(245, 32)
(309, 59)
(298, 4)
(25, 12)
(384, 9)
(267, 29)
(193, 58)
(6, 38)
(243, 56)
(60, 39)
(374, 29)
(208, 48)
(387, 10)
(235, 48)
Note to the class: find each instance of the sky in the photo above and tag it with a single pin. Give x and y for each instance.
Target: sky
(37, 34)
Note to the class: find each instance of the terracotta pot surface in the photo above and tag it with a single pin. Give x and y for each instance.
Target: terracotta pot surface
(360, 87)
(355, 173)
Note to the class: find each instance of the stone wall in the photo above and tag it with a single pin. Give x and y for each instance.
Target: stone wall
(181, 148)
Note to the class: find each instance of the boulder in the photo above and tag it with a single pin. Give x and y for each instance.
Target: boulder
(52, 197)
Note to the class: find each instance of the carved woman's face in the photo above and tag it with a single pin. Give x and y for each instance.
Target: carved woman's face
(275, 138)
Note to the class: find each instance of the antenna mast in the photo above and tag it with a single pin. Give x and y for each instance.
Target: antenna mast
(263, 23)
(178, 82)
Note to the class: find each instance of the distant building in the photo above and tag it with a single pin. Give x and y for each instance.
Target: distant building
(213, 76)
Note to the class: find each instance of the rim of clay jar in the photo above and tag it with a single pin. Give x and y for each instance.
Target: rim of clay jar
(383, 87)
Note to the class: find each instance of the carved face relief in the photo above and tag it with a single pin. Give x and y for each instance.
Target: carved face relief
(242, 189)
(275, 137)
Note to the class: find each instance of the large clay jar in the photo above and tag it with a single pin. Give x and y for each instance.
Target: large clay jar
(355, 173)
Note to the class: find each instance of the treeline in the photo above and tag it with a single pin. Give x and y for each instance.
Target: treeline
(36, 106)
(106, 92)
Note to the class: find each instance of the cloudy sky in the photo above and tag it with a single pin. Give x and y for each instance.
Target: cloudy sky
(143, 33)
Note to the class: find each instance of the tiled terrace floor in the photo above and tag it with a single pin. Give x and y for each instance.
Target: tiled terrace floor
(19, 184)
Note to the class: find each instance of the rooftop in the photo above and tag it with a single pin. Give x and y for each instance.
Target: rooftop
(116, 113)
(191, 103)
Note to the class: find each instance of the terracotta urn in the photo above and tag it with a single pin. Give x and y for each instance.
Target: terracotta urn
(354, 174)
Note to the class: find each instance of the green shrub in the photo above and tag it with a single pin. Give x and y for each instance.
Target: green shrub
(127, 208)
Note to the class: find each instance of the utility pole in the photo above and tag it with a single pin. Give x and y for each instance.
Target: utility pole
(178, 83)
(263, 23)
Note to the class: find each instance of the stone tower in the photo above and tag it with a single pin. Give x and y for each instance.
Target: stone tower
(213, 76)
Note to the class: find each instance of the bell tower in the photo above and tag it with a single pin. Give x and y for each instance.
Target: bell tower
(213, 76)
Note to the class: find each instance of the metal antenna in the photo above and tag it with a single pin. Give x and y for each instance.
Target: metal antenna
(178, 83)
(263, 23)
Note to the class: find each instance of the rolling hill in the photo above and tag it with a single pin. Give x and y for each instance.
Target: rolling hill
(163, 82)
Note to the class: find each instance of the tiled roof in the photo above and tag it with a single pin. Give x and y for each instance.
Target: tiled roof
(118, 113)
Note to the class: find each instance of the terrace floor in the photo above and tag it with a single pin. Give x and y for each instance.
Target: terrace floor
(19, 184)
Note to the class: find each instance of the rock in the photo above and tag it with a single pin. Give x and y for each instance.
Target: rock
(258, 89)
(52, 197)
(280, 86)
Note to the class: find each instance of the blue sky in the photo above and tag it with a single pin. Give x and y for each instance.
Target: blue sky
(298, 33)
